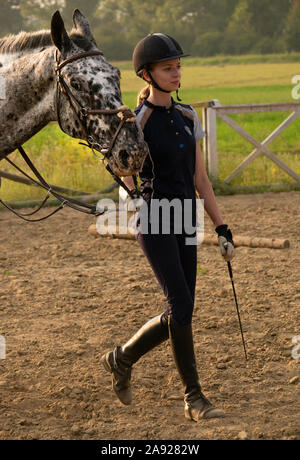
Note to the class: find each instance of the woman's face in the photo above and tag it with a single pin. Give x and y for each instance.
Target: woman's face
(167, 74)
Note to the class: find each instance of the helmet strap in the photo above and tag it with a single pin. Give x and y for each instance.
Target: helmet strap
(177, 96)
(154, 84)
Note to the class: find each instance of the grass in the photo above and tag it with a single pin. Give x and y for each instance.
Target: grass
(61, 161)
(229, 60)
(231, 80)
(209, 78)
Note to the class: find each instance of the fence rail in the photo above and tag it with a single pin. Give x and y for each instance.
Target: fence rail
(213, 109)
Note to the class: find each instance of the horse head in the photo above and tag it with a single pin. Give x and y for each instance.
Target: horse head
(91, 84)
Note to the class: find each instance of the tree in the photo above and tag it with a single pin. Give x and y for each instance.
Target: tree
(267, 17)
(240, 35)
(87, 8)
(292, 28)
(37, 13)
(11, 20)
(202, 27)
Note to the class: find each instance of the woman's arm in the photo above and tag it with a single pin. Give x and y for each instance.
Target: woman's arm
(205, 190)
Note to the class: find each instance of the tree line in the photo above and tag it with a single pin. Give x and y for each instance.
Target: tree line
(202, 27)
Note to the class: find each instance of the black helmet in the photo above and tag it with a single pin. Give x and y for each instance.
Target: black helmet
(155, 48)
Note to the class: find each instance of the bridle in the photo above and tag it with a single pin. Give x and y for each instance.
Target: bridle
(123, 112)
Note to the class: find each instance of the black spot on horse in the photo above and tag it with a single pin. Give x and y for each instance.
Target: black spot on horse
(38, 98)
(110, 105)
(112, 82)
(124, 157)
(96, 88)
(10, 116)
(111, 132)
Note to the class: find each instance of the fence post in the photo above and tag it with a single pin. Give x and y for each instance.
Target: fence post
(212, 154)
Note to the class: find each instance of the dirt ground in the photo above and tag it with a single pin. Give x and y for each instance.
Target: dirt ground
(67, 297)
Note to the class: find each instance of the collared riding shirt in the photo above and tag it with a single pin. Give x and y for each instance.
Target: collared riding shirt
(171, 134)
(168, 171)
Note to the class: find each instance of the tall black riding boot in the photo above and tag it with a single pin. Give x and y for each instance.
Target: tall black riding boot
(120, 360)
(196, 404)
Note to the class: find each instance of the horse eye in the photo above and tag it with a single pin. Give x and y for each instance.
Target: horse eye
(76, 85)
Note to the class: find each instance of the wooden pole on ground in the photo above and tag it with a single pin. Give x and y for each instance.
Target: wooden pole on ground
(273, 243)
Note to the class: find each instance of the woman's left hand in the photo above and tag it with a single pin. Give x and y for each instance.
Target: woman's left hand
(225, 242)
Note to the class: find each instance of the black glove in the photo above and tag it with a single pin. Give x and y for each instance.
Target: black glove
(225, 242)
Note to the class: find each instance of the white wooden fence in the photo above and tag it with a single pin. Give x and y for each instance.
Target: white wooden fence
(213, 109)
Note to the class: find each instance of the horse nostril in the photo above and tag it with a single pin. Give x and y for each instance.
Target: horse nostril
(124, 156)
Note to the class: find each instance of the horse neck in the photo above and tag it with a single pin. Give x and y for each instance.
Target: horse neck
(30, 93)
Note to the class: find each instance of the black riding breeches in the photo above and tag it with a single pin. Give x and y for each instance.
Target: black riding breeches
(175, 266)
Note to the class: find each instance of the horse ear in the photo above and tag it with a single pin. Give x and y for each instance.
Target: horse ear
(82, 25)
(59, 35)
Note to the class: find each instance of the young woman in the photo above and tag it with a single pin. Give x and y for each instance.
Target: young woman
(173, 169)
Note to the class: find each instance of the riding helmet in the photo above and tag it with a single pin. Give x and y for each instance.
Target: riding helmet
(155, 48)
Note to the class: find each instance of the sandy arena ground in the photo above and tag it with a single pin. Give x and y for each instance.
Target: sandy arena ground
(67, 297)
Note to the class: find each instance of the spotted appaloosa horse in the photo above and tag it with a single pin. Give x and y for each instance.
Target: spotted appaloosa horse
(27, 63)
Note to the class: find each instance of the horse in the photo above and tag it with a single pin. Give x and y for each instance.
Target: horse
(51, 75)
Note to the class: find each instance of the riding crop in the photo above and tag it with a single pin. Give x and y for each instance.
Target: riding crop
(237, 308)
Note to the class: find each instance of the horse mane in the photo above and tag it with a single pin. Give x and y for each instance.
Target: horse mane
(26, 41)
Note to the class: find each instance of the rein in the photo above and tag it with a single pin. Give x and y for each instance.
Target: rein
(125, 115)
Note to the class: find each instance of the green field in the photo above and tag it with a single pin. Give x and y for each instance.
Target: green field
(238, 80)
